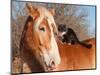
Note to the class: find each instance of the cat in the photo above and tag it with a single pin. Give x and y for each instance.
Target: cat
(68, 36)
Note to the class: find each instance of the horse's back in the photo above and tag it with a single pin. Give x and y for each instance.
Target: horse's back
(75, 57)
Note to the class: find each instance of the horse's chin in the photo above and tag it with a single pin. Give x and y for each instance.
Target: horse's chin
(46, 69)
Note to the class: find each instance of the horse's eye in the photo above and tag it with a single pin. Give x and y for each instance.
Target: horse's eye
(42, 29)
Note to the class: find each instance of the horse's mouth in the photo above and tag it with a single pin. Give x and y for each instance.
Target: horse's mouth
(50, 67)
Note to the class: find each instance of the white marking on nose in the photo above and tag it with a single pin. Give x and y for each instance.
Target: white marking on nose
(47, 59)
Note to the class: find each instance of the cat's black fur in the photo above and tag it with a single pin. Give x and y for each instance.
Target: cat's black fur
(68, 36)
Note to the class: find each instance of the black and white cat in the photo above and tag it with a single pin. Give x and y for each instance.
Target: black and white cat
(67, 35)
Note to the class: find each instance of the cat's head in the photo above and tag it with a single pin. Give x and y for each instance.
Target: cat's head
(62, 28)
(61, 31)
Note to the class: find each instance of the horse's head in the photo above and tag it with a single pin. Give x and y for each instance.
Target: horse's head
(43, 42)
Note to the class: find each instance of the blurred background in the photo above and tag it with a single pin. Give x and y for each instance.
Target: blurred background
(81, 18)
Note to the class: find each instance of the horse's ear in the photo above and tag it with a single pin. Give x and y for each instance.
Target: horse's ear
(52, 11)
(32, 10)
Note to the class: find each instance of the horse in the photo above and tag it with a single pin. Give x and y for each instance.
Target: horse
(38, 45)
(41, 51)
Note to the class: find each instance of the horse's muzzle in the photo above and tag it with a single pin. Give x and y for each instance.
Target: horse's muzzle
(51, 66)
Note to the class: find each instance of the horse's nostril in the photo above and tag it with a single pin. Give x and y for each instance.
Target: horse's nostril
(52, 64)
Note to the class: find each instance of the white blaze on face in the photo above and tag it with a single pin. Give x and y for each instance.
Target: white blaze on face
(54, 51)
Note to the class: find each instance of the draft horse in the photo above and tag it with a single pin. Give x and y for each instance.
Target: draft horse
(38, 45)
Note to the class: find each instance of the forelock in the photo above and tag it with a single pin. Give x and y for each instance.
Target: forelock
(44, 13)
